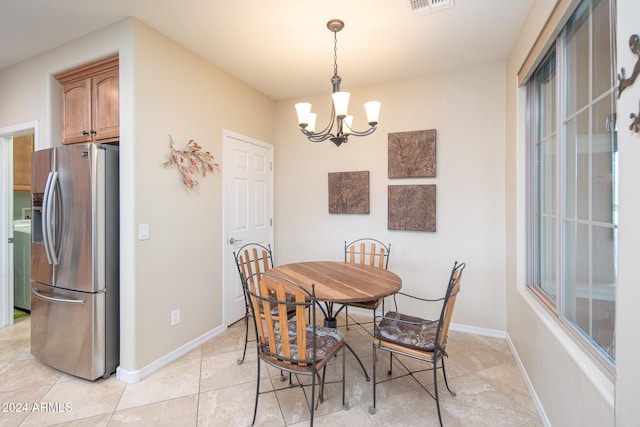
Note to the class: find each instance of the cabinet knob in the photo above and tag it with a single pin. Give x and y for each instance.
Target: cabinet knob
(85, 133)
(93, 132)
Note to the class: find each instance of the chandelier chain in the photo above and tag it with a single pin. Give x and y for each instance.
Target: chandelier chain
(335, 53)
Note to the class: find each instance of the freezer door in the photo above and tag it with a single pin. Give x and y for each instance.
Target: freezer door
(80, 216)
(68, 330)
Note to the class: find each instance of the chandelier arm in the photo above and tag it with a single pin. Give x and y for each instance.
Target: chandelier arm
(324, 134)
(369, 131)
(331, 121)
(317, 137)
(372, 128)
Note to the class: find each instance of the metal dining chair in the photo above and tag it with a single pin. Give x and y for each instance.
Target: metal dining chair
(366, 251)
(251, 259)
(293, 344)
(417, 338)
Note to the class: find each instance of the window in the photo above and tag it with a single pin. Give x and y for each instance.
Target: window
(573, 177)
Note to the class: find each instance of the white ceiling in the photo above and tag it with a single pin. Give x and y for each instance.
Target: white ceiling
(282, 47)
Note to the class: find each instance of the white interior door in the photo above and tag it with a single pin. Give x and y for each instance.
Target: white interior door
(248, 184)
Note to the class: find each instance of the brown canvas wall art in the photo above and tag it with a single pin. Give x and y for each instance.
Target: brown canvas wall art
(412, 207)
(412, 154)
(349, 192)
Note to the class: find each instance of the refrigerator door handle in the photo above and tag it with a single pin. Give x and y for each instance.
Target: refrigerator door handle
(49, 218)
(52, 299)
(45, 215)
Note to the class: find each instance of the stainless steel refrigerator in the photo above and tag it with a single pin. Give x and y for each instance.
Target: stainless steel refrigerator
(75, 259)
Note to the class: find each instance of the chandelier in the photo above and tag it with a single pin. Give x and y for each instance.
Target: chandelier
(339, 106)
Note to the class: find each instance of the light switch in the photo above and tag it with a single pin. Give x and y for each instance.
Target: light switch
(143, 231)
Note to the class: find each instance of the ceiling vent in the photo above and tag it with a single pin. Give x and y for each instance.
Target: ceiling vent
(426, 6)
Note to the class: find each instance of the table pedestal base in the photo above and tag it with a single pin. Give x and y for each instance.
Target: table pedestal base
(331, 322)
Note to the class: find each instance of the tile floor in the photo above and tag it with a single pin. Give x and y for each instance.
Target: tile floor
(207, 388)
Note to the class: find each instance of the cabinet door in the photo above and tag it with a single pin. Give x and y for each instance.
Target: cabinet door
(76, 112)
(106, 117)
(22, 149)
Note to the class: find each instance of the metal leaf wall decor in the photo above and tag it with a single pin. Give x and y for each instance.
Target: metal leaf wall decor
(412, 154)
(412, 207)
(349, 192)
(191, 162)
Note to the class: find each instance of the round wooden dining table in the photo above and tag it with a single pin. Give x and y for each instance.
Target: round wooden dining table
(340, 282)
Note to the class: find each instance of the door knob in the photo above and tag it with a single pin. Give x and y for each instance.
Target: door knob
(232, 241)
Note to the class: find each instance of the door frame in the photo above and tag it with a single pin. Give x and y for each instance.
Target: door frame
(227, 136)
(6, 214)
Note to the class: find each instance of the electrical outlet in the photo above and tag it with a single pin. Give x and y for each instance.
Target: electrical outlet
(175, 317)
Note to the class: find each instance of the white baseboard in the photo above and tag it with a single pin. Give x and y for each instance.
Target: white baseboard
(532, 391)
(483, 332)
(503, 335)
(131, 377)
(492, 333)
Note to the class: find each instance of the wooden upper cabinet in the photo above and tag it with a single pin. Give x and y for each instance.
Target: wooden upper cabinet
(76, 111)
(104, 90)
(22, 149)
(90, 110)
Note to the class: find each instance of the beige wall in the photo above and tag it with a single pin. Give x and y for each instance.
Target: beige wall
(164, 90)
(466, 107)
(179, 94)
